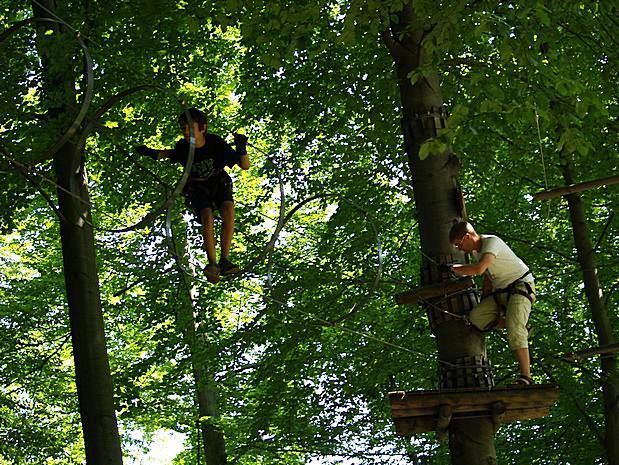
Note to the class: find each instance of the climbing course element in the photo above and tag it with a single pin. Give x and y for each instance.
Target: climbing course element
(423, 411)
(431, 291)
(574, 188)
(586, 353)
(467, 389)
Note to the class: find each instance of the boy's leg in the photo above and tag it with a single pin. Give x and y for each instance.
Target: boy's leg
(524, 363)
(517, 315)
(208, 233)
(485, 314)
(227, 228)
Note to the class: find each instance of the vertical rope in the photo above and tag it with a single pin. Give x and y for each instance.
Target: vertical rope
(541, 148)
(541, 151)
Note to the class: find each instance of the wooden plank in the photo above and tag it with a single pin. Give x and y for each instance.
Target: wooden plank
(416, 403)
(573, 188)
(485, 409)
(455, 394)
(425, 424)
(520, 402)
(469, 409)
(433, 290)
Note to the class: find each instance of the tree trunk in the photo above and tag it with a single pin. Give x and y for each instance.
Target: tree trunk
(92, 370)
(461, 348)
(213, 439)
(599, 313)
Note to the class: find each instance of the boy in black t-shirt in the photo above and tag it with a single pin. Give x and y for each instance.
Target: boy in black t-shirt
(209, 186)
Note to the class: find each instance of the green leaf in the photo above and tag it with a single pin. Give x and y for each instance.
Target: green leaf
(420, 72)
(542, 14)
(490, 106)
(432, 147)
(458, 116)
(582, 108)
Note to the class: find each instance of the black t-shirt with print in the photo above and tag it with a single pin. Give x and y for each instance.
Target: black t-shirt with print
(209, 160)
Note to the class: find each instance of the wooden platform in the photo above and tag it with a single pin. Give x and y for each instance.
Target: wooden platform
(432, 291)
(422, 411)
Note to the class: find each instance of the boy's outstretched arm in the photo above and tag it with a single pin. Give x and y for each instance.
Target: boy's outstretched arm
(474, 269)
(240, 140)
(153, 153)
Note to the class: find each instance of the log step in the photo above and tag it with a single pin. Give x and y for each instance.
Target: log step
(418, 411)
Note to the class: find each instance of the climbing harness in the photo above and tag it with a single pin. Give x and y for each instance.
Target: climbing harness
(512, 289)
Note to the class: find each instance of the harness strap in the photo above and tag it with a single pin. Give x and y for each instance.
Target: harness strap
(516, 281)
(511, 290)
(526, 293)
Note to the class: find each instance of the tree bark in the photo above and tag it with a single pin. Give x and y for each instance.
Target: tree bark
(438, 205)
(599, 313)
(92, 370)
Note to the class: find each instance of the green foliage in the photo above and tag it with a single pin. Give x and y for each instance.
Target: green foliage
(37, 399)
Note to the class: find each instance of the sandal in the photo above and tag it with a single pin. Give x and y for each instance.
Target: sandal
(523, 380)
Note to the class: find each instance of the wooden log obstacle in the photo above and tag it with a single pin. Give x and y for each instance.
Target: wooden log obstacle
(423, 411)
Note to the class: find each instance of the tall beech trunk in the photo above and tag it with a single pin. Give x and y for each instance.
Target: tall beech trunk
(438, 204)
(92, 370)
(599, 313)
(213, 440)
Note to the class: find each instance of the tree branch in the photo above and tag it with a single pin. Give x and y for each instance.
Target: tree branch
(23, 171)
(574, 188)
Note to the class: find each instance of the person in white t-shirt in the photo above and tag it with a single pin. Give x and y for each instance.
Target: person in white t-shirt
(509, 289)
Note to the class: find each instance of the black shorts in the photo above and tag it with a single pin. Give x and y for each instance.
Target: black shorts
(212, 194)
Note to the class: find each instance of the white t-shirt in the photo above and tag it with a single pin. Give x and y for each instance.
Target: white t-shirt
(506, 267)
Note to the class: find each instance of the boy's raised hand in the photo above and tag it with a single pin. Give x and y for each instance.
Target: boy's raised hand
(240, 140)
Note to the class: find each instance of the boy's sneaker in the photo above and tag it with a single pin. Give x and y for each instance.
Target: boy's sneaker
(212, 273)
(227, 267)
